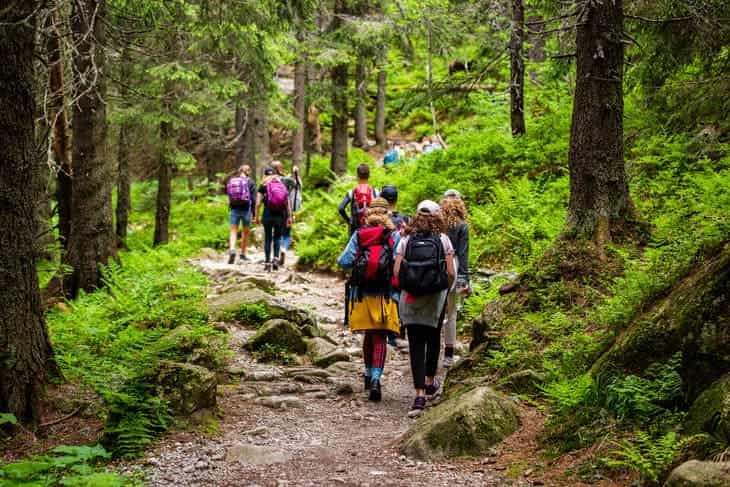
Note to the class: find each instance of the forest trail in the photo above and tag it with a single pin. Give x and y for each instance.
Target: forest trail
(302, 425)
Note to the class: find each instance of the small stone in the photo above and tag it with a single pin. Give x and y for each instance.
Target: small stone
(188, 469)
(260, 431)
(279, 402)
(201, 465)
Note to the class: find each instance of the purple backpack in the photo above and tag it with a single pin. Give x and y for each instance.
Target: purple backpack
(276, 196)
(237, 189)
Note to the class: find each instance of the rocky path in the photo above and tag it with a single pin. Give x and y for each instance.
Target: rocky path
(304, 425)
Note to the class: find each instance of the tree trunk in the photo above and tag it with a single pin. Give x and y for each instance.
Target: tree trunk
(91, 240)
(256, 136)
(300, 93)
(429, 74)
(123, 184)
(25, 348)
(164, 183)
(240, 146)
(338, 162)
(380, 137)
(536, 52)
(58, 120)
(599, 193)
(361, 111)
(517, 67)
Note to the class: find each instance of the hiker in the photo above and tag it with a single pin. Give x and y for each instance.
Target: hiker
(240, 189)
(390, 194)
(392, 156)
(454, 214)
(424, 270)
(293, 183)
(372, 309)
(272, 195)
(358, 199)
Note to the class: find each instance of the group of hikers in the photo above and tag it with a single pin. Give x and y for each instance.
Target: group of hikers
(398, 151)
(279, 195)
(407, 274)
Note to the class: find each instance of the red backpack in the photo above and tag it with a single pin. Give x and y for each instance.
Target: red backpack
(362, 196)
(372, 271)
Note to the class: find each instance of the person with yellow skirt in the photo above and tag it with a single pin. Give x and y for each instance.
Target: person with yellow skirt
(373, 311)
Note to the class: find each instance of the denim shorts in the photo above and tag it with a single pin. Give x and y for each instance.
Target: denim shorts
(242, 216)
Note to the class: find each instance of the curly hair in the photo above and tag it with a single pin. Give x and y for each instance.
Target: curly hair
(420, 223)
(454, 212)
(378, 217)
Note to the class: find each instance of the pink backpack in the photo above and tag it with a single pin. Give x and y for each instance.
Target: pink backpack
(276, 196)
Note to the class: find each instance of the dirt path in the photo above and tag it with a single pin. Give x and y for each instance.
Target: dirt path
(307, 426)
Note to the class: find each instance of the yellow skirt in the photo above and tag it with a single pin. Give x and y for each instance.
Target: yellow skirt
(374, 313)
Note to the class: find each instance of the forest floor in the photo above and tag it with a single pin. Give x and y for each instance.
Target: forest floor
(301, 425)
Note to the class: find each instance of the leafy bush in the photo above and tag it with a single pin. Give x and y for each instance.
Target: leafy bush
(649, 456)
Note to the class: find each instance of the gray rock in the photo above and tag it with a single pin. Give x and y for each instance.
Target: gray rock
(186, 387)
(344, 388)
(344, 368)
(467, 424)
(208, 253)
(522, 382)
(710, 412)
(335, 356)
(260, 431)
(264, 375)
(700, 474)
(280, 333)
(254, 305)
(279, 402)
(319, 346)
(256, 455)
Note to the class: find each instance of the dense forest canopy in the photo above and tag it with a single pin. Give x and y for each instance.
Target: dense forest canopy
(588, 139)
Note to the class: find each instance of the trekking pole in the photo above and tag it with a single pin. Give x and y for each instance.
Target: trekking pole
(346, 322)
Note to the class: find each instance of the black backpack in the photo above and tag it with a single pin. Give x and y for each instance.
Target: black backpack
(423, 269)
(372, 271)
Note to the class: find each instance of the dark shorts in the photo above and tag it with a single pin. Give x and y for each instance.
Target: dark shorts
(240, 216)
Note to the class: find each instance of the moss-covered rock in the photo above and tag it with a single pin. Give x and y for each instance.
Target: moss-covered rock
(700, 474)
(710, 413)
(279, 333)
(464, 425)
(692, 319)
(186, 387)
(522, 382)
(330, 358)
(253, 306)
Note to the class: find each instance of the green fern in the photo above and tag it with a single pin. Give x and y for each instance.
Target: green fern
(647, 455)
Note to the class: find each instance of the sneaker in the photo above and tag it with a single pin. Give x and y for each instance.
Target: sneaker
(367, 381)
(282, 258)
(434, 389)
(448, 362)
(419, 404)
(267, 266)
(375, 393)
(231, 257)
(243, 258)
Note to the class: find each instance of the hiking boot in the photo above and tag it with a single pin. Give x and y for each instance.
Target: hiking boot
(375, 393)
(231, 257)
(419, 404)
(282, 258)
(243, 258)
(367, 380)
(275, 266)
(434, 389)
(267, 266)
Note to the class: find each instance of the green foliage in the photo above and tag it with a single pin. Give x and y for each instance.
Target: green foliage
(250, 314)
(274, 353)
(7, 418)
(63, 465)
(649, 456)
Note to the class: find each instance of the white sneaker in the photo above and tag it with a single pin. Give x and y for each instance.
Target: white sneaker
(448, 362)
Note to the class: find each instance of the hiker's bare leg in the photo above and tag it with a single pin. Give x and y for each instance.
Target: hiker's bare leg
(244, 239)
(232, 237)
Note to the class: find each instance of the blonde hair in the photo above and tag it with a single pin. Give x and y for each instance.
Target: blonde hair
(379, 217)
(278, 167)
(245, 170)
(453, 211)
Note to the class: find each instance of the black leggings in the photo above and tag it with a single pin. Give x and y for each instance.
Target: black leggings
(424, 346)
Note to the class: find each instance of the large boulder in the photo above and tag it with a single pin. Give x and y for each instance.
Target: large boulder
(710, 413)
(253, 306)
(279, 333)
(464, 425)
(700, 474)
(186, 387)
(692, 318)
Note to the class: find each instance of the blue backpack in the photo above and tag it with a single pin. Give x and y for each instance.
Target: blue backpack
(390, 157)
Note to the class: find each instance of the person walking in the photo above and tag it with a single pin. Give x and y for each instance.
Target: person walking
(400, 220)
(373, 311)
(272, 195)
(241, 189)
(358, 199)
(454, 214)
(293, 183)
(424, 267)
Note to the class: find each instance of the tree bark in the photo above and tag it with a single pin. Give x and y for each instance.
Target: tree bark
(517, 67)
(380, 137)
(536, 51)
(361, 111)
(123, 183)
(25, 348)
(257, 152)
(240, 146)
(599, 193)
(338, 161)
(429, 74)
(164, 183)
(91, 241)
(61, 143)
(300, 94)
